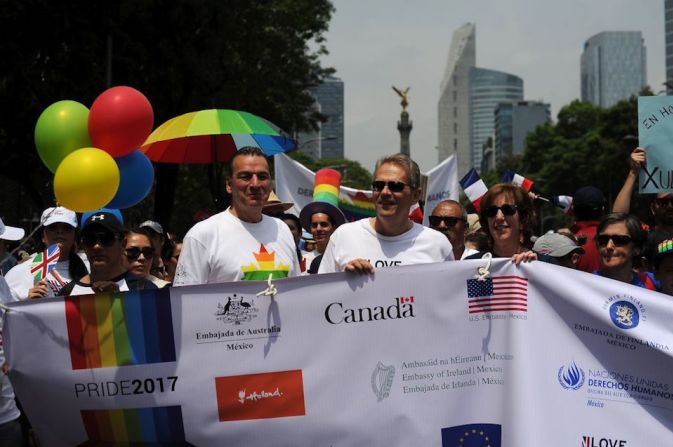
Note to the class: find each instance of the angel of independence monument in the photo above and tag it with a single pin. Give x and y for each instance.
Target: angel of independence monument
(404, 125)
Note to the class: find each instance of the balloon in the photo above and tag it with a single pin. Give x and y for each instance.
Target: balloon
(120, 120)
(86, 180)
(136, 176)
(61, 128)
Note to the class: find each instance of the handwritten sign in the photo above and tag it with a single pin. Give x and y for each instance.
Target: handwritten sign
(655, 134)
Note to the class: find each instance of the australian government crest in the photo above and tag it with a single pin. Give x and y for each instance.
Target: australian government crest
(236, 309)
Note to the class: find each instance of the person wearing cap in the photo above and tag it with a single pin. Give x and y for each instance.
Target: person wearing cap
(562, 247)
(156, 233)
(322, 216)
(239, 243)
(103, 240)
(59, 226)
(390, 238)
(7, 261)
(450, 218)
(588, 208)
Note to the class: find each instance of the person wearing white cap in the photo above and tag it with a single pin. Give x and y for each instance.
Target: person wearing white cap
(7, 261)
(58, 227)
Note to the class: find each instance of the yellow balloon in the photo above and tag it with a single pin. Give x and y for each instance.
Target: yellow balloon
(87, 179)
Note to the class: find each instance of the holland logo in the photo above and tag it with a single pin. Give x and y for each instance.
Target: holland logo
(382, 380)
(236, 310)
(571, 377)
(624, 315)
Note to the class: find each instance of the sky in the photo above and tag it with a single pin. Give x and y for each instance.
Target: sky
(375, 44)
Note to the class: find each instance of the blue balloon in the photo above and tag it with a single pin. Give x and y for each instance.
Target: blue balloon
(136, 176)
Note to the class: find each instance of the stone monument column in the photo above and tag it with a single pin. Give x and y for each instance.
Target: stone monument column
(404, 125)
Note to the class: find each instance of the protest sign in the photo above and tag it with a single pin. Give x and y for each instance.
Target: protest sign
(417, 355)
(442, 185)
(655, 134)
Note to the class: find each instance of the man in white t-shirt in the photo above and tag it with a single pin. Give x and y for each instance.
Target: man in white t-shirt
(450, 218)
(239, 243)
(390, 238)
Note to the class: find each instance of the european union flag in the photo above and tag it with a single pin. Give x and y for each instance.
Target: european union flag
(472, 435)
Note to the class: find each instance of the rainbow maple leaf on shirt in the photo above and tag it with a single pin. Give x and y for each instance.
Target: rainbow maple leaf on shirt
(267, 266)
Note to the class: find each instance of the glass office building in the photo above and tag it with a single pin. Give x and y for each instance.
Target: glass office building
(613, 67)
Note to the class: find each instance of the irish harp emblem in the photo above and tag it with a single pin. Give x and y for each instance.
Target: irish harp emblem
(382, 380)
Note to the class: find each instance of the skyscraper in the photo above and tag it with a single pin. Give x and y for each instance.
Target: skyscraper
(453, 108)
(488, 88)
(328, 140)
(613, 67)
(668, 10)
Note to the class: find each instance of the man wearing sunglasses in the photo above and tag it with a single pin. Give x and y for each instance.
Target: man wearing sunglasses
(103, 240)
(450, 218)
(239, 243)
(390, 238)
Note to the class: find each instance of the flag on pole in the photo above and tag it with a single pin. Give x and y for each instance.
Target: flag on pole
(563, 202)
(519, 180)
(442, 185)
(474, 187)
(44, 262)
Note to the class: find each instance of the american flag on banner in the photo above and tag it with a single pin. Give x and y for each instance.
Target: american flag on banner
(44, 262)
(497, 294)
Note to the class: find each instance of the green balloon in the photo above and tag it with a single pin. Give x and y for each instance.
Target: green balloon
(62, 128)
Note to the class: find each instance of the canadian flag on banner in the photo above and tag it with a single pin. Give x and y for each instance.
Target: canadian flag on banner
(474, 187)
(513, 177)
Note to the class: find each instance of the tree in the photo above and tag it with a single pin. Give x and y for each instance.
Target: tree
(353, 174)
(250, 55)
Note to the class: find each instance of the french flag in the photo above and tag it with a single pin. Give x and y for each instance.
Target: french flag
(563, 202)
(474, 187)
(512, 177)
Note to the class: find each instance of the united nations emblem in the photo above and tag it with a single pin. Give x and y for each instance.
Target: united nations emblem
(382, 380)
(236, 310)
(624, 315)
(571, 377)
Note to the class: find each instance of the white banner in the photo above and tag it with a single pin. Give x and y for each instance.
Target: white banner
(442, 185)
(420, 355)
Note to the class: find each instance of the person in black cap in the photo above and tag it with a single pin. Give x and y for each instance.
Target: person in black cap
(588, 208)
(103, 240)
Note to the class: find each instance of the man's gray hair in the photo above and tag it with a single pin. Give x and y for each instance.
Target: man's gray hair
(405, 162)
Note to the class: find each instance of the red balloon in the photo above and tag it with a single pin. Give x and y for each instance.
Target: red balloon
(120, 120)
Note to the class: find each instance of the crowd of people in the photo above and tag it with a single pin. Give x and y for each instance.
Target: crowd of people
(255, 238)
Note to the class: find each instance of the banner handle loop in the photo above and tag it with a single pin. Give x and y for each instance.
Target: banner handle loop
(483, 271)
(270, 288)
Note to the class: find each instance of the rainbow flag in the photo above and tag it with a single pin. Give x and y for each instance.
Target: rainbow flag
(356, 205)
(44, 262)
(134, 426)
(266, 266)
(118, 329)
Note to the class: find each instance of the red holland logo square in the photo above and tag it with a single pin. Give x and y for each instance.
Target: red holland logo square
(260, 396)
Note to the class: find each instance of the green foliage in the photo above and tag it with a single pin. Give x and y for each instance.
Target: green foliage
(252, 55)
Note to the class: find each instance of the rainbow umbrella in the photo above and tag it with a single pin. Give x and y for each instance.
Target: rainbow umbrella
(211, 136)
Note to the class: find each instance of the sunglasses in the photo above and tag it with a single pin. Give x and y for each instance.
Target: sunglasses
(448, 221)
(618, 239)
(507, 210)
(664, 202)
(134, 253)
(105, 238)
(378, 185)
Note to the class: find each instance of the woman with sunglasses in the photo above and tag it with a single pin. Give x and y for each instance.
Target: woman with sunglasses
(59, 226)
(619, 239)
(138, 254)
(506, 214)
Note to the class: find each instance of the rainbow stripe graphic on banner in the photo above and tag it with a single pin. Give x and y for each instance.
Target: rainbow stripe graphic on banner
(118, 329)
(134, 426)
(267, 266)
(357, 206)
